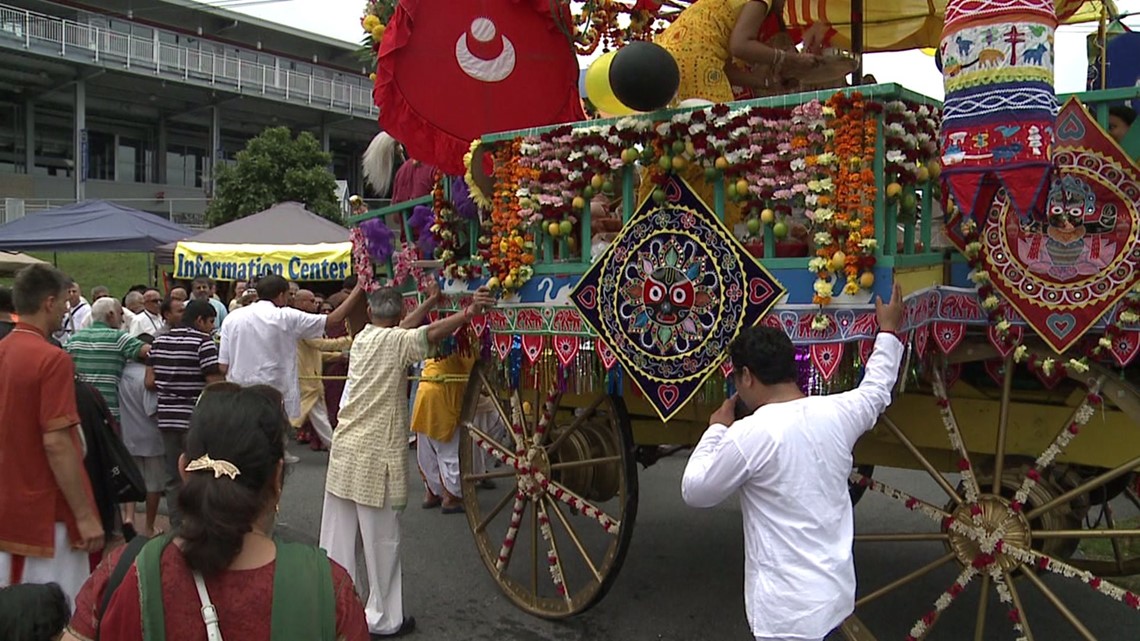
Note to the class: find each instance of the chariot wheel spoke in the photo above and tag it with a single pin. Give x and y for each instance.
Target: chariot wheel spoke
(573, 534)
(544, 418)
(904, 580)
(483, 476)
(579, 421)
(534, 553)
(495, 399)
(495, 510)
(1084, 488)
(506, 551)
(1110, 521)
(954, 433)
(1013, 593)
(983, 608)
(1086, 534)
(554, 559)
(922, 460)
(1130, 494)
(1059, 605)
(563, 494)
(912, 503)
(501, 452)
(586, 462)
(1003, 424)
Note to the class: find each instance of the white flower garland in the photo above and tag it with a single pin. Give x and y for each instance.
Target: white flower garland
(955, 436)
(923, 625)
(1006, 597)
(512, 532)
(552, 560)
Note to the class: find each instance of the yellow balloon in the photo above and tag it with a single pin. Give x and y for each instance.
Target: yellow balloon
(598, 88)
(930, 51)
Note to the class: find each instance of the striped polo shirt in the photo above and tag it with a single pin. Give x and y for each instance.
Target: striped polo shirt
(99, 352)
(181, 359)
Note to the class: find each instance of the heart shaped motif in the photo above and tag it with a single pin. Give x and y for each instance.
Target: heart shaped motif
(672, 191)
(1061, 324)
(726, 368)
(953, 373)
(1005, 347)
(479, 324)
(532, 347)
(502, 345)
(605, 354)
(587, 297)
(994, 369)
(866, 346)
(759, 291)
(1070, 128)
(1050, 381)
(668, 394)
(566, 348)
(948, 335)
(921, 340)
(826, 357)
(1125, 347)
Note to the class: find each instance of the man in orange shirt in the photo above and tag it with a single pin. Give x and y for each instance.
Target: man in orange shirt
(48, 519)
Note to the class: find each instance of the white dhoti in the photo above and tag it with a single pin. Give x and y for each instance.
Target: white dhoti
(380, 534)
(488, 420)
(69, 568)
(439, 464)
(319, 419)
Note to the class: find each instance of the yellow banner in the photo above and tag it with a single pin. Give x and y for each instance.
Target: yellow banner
(220, 261)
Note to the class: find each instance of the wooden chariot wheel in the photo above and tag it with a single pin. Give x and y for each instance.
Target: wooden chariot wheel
(1021, 527)
(553, 507)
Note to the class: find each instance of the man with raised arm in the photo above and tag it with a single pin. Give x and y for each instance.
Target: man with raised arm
(790, 457)
(367, 482)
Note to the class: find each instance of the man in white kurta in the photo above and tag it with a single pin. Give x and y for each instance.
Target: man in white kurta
(367, 482)
(790, 460)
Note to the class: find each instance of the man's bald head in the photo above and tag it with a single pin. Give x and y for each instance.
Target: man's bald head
(305, 301)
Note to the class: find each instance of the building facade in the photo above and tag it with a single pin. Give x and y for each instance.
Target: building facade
(137, 101)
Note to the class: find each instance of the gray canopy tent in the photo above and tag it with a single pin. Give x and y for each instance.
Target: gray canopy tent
(12, 262)
(90, 226)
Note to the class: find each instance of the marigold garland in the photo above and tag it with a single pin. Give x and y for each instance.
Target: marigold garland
(510, 255)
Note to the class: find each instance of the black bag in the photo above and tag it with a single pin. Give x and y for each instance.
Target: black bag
(114, 476)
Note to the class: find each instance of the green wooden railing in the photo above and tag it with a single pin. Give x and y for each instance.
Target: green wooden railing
(554, 255)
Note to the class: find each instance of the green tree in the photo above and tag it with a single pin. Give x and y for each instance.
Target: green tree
(274, 167)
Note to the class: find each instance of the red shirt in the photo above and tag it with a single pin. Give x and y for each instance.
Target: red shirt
(37, 395)
(244, 599)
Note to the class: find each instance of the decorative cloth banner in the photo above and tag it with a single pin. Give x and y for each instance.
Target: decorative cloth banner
(1072, 263)
(451, 71)
(225, 261)
(997, 122)
(826, 357)
(670, 293)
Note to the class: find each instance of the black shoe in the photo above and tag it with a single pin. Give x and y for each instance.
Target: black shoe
(407, 627)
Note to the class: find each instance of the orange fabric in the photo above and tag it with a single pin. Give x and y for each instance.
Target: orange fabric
(37, 395)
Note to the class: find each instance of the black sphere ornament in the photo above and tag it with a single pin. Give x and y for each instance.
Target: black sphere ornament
(644, 76)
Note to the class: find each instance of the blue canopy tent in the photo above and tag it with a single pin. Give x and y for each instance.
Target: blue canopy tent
(90, 226)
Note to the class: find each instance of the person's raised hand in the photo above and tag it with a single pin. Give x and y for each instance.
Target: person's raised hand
(482, 301)
(726, 413)
(890, 315)
(431, 289)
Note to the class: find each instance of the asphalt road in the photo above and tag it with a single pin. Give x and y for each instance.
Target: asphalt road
(682, 578)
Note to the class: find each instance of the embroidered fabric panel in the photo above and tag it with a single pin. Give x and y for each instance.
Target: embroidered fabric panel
(670, 294)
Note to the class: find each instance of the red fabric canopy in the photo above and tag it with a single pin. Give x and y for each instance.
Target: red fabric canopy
(449, 72)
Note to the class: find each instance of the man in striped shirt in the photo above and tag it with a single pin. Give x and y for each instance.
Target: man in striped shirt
(102, 349)
(182, 362)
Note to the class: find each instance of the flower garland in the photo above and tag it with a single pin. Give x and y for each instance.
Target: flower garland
(476, 192)
(552, 560)
(374, 22)
(510, 254)
(405, 265)
(969, 481)
(362, 261)
(512, 532)
(1016, 617)
(1081, 417)
(446, 233)
(923, 625)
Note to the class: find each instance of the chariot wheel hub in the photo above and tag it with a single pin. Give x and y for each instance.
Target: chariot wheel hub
(992, 516)
(537, 470)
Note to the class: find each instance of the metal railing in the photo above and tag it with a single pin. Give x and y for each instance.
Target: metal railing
(147, 54)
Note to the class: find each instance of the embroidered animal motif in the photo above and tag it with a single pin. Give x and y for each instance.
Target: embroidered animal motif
(991, 57)
(955, 68)
(1006, 131)
(1035, 55)
(1006, 153)
(964, 45)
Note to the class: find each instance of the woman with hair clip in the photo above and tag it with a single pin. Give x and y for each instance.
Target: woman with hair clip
(221, 575)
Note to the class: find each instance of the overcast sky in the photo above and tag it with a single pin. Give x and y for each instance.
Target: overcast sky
(913, 69)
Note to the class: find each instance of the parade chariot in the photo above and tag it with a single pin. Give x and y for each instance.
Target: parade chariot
(629, 252)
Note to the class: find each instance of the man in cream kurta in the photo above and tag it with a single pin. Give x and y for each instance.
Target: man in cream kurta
(789, 457)
(367, 482)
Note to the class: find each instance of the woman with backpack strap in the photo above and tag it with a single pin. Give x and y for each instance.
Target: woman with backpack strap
(221, 575)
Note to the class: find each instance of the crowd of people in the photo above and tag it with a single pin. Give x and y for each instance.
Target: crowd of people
(145, 369)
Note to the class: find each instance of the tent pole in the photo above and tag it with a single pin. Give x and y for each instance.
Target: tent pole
(1103, 42)
(54, 260)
